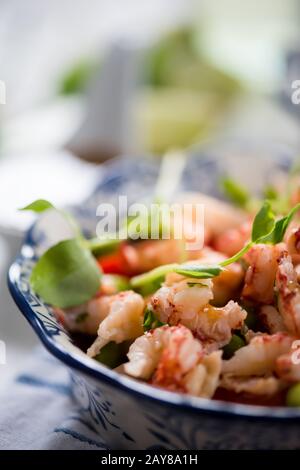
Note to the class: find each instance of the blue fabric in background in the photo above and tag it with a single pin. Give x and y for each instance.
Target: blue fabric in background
(37, 411)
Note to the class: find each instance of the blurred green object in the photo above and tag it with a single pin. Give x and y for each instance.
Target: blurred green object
(293, 395)
(180, 99)
(119, 283)
(184, 95)
(177, 61)
(235, 192)
(235, 343)
(113, 355)
(174, 117)
(75, 79)
(251, 320)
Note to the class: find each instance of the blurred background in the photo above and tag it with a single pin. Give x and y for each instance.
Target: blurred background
(87, 81)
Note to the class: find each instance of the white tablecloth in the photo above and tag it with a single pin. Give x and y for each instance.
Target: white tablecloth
(37, 410)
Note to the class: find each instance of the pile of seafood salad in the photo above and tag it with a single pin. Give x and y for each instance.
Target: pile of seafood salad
(222, 322)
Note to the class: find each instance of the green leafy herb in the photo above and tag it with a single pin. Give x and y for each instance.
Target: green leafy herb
(263, 223)
(38, 206)
(41, 205)
(113, 355)
(150, 320)
(196, 284)
(199, 271)
(251, 320)
(265, 229)
(235, 343)
(280, 227)
(66, 275)
(237, 256)
(235, 192)
(100, 247)
(149, 288)
(152, 276)
(157, 275)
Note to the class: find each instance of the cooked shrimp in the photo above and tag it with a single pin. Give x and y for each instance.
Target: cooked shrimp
(175, 360)
(146, 255)
(288, 365)
(293, 245)
(254, 385)
(187, 302)
(203, 380)
(250, 334)
(144, 354)
(180, 354)
(225, 285)
(85, 318)
(287, 368)
(288, 294)
(232, 240)
(260, 276)
(124, 321)
(297, 271)
(259, 356)
(226, 215)
(271, 319)
(181, 300)
(109, 284)
(215, 325)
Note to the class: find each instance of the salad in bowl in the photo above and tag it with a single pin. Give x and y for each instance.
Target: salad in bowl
(168, 333)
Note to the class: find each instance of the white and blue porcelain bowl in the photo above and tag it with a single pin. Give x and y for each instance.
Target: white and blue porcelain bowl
(133, 415)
